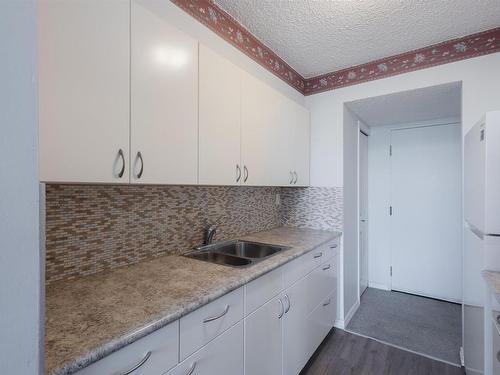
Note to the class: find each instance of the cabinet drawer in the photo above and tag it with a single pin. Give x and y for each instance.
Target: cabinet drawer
(328, 250)
(298, 268)
(209, 321)
(321, 320)
(224, 355)
(262, 289)
(496, 346)
(323, 282)
(163, 346)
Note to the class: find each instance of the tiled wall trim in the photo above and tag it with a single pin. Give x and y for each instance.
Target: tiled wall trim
(96, 228)
(216, 19)
(313, 207)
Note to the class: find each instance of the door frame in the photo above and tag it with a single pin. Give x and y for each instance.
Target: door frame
(362, 131)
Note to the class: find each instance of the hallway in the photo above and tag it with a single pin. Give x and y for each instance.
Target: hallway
(419, 324)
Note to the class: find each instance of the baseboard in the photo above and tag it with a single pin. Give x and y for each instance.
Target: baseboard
(378, 286)
(471, 371)
(351, 313)
(339, 323)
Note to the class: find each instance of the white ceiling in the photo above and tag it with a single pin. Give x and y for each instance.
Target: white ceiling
(320, 36)
(409, 107)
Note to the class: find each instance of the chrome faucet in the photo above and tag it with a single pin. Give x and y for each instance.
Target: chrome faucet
(209, 235)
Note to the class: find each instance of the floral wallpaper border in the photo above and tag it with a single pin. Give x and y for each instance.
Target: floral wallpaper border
(443, 53)
(234, 33)
(229, 29)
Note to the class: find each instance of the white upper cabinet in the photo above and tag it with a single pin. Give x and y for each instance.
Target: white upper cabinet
(84, 50)
(300, 141)
(164, 99)
(261, 134)
(219, 120)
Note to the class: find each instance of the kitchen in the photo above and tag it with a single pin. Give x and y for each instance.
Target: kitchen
(109, 187)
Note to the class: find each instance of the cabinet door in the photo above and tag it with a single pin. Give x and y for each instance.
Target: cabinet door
(164, 114)
(223, 355)
(261, 133)
(296, 328)
(219, 136)
(300, 145)
(84, 54)
(263, 339)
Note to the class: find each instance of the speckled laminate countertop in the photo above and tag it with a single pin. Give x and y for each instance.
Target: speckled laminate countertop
(90, 317)
(493, 280)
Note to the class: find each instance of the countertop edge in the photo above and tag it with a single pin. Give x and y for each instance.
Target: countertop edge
(129, 338)
(492, 278)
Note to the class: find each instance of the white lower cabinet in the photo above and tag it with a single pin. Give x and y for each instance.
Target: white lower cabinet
(296, 348)
(271, 326)
(224, 355)
(263, 339)
(152, 355)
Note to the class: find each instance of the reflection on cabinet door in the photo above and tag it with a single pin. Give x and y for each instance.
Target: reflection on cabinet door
(263, 339)
(301, 142)
(84, 54)
(164, 88)
(219, 134)
(223, 355)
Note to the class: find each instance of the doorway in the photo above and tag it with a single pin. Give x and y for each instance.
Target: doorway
(408, 233)
(363, 212)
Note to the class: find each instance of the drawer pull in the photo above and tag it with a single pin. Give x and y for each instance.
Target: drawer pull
(498, 356)
(120, 154)
(327, 302)
(498, 319)
(334, 246)
(191, 369)
(325, 268)
(319, 255)
(135, 367)
(280, 315)
(287, 299)
(212, 318)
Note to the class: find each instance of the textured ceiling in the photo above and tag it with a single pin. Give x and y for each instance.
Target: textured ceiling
(413, 106)
(320, 36)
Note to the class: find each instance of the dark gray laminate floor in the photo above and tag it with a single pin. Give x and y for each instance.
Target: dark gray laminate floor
(343, 353)
(420, 324)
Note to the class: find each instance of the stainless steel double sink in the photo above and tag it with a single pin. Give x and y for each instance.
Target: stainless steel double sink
(235, 253)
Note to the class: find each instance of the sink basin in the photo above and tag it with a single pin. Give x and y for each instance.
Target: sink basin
(218, 258)
(235, 253)
(249, 250)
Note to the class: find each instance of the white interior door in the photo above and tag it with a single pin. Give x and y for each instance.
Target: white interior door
(363, 212)
(426, 211)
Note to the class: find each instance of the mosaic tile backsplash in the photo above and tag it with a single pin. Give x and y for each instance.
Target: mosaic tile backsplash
(93, 228)
(312, 207)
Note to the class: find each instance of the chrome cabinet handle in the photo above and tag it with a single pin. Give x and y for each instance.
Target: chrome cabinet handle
(333, 246)
(212, 318)
(280, 315)
(327, 302)
(287, 309)
(498, 319)
(325, 268)
(245, 173)
(296, 177)
(238, 173)
(191, 369)
(120, 154)
(141, 363)
(139, 156)
(291, 178)
(319, 255)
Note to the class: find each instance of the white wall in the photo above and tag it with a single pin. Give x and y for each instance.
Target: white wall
(351, 218)
(204, 35)
(20, 267)
(480, 79)
(379, 198)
